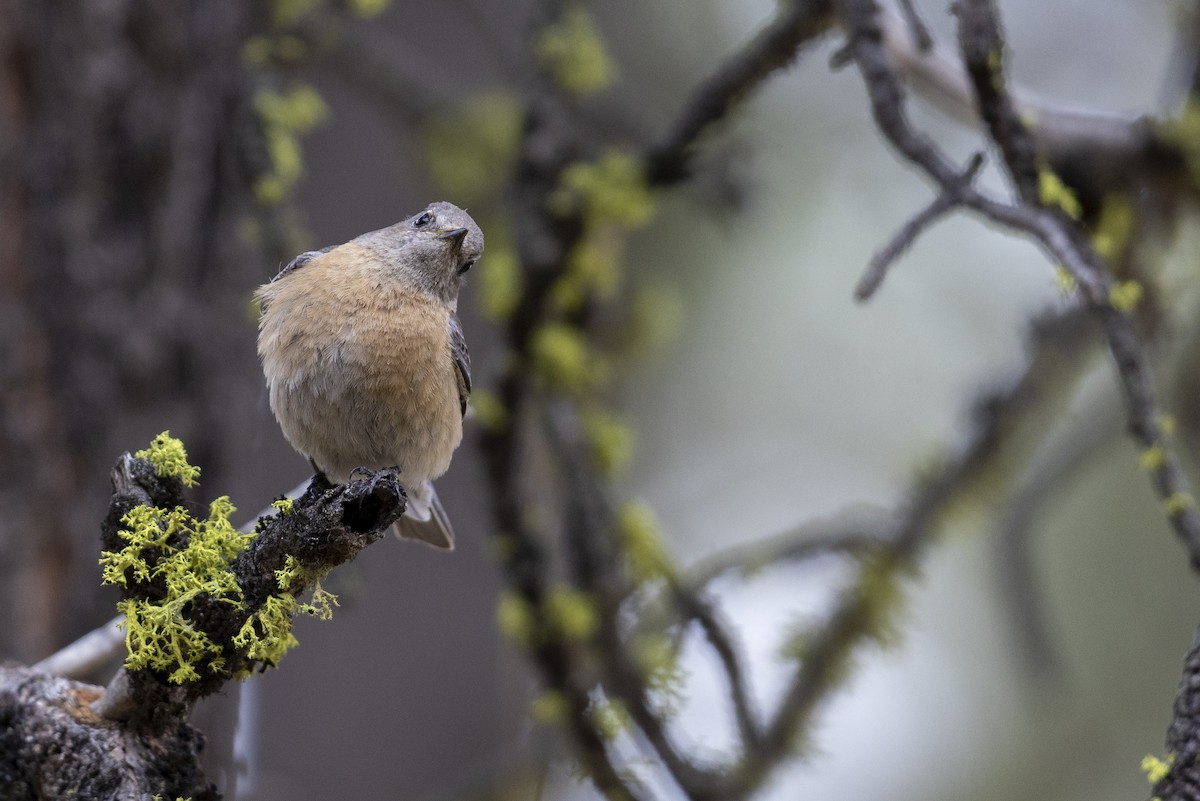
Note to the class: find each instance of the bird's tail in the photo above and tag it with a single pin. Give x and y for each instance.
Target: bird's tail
(425, 519)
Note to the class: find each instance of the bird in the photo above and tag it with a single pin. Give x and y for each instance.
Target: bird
(365, 360)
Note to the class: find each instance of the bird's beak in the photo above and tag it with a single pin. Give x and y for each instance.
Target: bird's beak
(456, 236)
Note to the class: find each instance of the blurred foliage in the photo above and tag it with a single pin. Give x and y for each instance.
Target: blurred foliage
(575, 52)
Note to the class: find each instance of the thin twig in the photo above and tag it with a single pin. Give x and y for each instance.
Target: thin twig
(852, 621)
(858, 530)
(947, 201)
(595, 565)
(982, 46)
(696, 607)
(1058, 460)
(92, 651)
(775, 47)
(1066, 244)
(1062, 132)
(916, 25)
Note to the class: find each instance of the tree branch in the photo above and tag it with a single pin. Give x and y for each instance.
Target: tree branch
(947, 201)
(1182, 779)
(1066, 243)
(859, 531)
(775, 47)
(327, 526)
(1063, 134)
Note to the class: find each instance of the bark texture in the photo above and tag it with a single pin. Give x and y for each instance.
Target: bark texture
(128, 146)
(52, 745)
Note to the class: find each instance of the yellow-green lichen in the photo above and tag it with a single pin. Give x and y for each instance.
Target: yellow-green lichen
(498, 284)
(571, 613)
(285, 117)
(170, 560)
(489, 410)
(549, 708)
(292, 573)
(321, 604)
(879, 596)
(471, 151)
(1114, 228)
(287, 575)
(185, 558)
(995, 59)
(1157, 769)
(593, 269)
(1053, 193)
(611, 189)
(563, 360)
(300, 108)
(610, 439)
(169, 458)
(641, 541)
(1179, 502)
(657, 657)
(267, 634)
(284, 505)
(1064, 281)
(610, 718)
(369, 8)
(1124, 296)
(574, 52)
(1153, 457)
(517, 619)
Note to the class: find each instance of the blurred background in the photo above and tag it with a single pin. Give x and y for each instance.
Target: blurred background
(134, 224)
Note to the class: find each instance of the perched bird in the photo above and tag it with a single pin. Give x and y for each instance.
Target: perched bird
(365, 361)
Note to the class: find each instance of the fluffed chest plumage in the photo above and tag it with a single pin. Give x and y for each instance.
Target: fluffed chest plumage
(370, 380)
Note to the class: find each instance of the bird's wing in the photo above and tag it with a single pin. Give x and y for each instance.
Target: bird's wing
(300, 261)
(462, 361)
(293, 265)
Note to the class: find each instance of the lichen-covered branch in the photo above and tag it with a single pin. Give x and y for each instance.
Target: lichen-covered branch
(205, 604)
(1177, 777)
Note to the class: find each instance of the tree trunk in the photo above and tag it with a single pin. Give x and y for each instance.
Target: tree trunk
(128, 147)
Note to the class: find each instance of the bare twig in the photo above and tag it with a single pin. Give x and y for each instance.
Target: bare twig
(696, 607)
(982, 47)
(1057, 461)
(88, 654)
(773, 48)
(916, 25)
(859, 530)
(944, 203)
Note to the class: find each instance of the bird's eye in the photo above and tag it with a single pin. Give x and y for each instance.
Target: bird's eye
(466, 266)
(424, 220)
